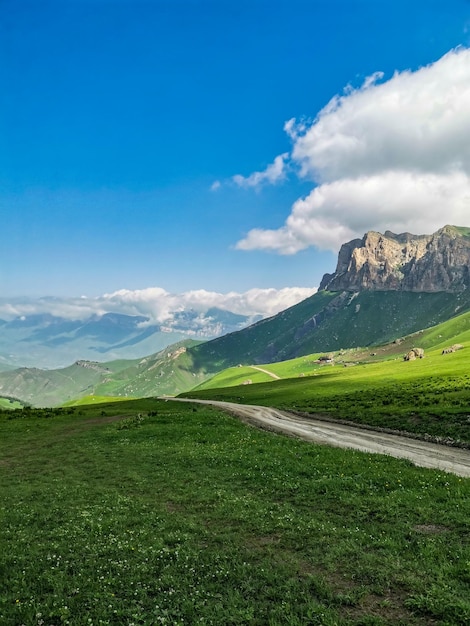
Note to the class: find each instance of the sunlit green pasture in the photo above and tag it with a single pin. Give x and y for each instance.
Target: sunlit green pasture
(234, 376)
(433, 340)
(93, 400)
(153, 512)
(9, 403)
(426, 396)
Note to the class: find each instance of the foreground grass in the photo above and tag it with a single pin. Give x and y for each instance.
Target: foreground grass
(156, 513)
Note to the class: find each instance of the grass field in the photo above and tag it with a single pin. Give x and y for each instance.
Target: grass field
(434, 340)
(9, 403)
(427, 396)
(90, 400)
(149, 512)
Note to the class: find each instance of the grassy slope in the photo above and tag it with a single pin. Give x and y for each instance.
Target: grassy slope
(456, 330)
(427, 396)
(262, 342)
(234, 376)
(49, 387)
(9, 403)
(351, 320)
(161, 373)
(92, 400)
(167, 372)
(463, 230)
(364, 319)
(180, 515)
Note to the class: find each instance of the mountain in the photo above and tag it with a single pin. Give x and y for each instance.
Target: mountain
(445, 338)
(418, 263)
(331, 321)
(50, 341)
(384, 287)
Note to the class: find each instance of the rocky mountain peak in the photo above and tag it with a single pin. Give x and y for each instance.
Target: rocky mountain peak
(404, 262)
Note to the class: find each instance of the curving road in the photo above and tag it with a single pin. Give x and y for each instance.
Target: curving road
(260, 369)
(422, 453)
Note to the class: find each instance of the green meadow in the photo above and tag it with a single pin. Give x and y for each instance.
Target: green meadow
(151, 512)
(146, 512)
(374, 386)
(429, 396)
(9, 403)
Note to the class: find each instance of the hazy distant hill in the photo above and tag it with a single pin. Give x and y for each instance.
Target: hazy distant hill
(49, 341)
(166, 372)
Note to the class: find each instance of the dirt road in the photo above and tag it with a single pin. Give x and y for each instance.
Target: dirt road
(448, 459)
(260, 369)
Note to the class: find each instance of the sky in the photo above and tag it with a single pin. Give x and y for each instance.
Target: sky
(219, 151)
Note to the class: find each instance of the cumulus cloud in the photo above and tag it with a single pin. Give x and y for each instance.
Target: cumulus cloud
(391, 154)
(336, 212)
(157, 304)
(274, 173)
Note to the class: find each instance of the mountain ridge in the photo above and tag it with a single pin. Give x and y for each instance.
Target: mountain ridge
(360, 313)
(384, 286)
(404, 262)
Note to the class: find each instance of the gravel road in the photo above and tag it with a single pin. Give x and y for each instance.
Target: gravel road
(260, 369)
(445, 458)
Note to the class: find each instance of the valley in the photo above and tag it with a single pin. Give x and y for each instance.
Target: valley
(235, 313)
(127, 504)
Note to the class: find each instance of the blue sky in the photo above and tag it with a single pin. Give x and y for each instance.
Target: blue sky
(124, 122)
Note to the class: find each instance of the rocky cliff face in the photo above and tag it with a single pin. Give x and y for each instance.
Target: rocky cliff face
(389, 262)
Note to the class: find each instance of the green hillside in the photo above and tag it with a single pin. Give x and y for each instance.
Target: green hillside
(463, 230)
(425, 396)
(9, 404)
(326, 322)
(167, 372)
(262, 342)
(49, 387)
(330, 321)
(439, 337)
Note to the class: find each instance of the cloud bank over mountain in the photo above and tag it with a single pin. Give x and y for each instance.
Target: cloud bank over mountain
(157, 304)
(391, 154)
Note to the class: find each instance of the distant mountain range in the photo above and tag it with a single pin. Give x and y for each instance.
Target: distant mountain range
(49, 341)
(384, 287)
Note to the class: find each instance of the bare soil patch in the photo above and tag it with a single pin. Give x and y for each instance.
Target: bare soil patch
(430, 529)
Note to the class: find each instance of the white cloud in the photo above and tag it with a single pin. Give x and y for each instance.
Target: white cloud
(267, 302)
(337, 212)
(274, 173)
(216, 185)
(416, 120)
(158, 304)
(388, 155)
